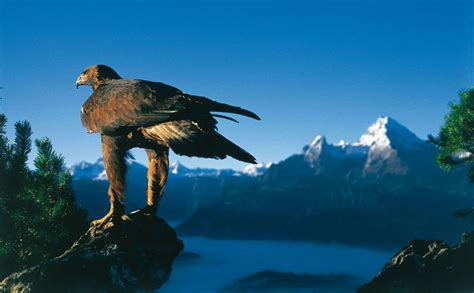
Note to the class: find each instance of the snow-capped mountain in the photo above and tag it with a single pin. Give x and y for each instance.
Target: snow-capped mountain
(256, 170)
(319, 145)
(384, 133)
(190, 188)
(86, 170)
(382, 145)
(178, 169)
(95, 171)
(386, 147)
(392, 147)
(314, 150)
(387, 132)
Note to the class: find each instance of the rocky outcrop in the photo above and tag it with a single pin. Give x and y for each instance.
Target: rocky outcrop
(136, 255)
(428, 266)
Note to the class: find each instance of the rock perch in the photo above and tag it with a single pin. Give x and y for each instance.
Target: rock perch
(137, 255)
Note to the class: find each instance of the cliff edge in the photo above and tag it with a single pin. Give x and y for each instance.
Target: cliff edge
(136, 255)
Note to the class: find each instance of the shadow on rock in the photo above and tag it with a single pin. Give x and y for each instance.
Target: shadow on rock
(135, 255)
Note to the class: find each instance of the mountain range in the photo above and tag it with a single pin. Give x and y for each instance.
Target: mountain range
(381, 190)
(189, 188)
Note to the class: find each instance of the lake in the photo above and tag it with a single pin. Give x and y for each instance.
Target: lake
(221, 262)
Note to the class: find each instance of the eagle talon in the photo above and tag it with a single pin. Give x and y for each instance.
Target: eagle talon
(112, 218)
(100, 223)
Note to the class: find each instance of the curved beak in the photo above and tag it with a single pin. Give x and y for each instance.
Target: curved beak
(81, 80)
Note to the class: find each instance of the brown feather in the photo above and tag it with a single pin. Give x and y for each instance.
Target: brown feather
(176, 120)
(188, 138)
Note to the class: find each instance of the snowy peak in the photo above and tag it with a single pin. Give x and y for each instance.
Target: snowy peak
(96, 171)
(178, 169)
(383, 148)
(86, 170)
(342, 144)
(320, 147)
(315, 148)
(256, 169)
(318, 141)
(376, 134)
(386, 132)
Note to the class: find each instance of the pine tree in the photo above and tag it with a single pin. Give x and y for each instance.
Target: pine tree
(15, 176)
(6, 247)
(61, 221)
(4, 152)
(456, 137)
(39, 215)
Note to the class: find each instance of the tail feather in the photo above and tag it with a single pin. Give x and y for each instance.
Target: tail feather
(219, 107)
(225, 117)
(213, 106)
(185, 138)
(233, 150)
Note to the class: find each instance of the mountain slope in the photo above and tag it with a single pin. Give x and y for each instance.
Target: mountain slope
(186, 190)
(383, 190)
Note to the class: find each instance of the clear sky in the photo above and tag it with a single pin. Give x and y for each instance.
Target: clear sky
(306, 68)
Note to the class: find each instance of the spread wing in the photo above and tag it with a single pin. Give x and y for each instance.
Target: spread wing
(118, 105)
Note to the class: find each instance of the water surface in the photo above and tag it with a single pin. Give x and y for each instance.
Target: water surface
(221, 262)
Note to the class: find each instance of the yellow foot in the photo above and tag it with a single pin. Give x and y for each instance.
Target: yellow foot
(110, 218)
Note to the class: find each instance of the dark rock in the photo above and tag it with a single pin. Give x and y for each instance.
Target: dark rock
(135, 255)
(291, 282)
(428, 266)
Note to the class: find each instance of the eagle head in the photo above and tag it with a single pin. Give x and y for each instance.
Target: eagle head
(96, 75)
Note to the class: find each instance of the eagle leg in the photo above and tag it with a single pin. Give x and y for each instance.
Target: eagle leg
(158, 164)
(114, 151)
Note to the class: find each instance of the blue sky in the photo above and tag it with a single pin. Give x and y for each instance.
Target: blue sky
(306, 68)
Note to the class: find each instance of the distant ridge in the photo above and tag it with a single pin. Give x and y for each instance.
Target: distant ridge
(382, 190)
(95, 171)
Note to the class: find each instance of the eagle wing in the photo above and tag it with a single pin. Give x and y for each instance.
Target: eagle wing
(119, 105)
(196, 139)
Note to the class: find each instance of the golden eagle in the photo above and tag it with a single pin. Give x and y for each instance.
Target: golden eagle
(156, 117)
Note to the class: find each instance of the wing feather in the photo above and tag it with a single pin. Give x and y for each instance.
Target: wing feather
(119, 105)
(188, 138)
